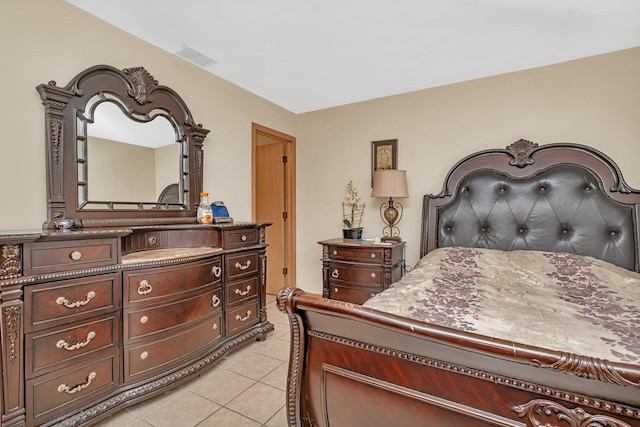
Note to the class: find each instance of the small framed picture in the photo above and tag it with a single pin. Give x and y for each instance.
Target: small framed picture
(384, 155)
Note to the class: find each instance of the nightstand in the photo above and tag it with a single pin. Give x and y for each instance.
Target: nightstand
(355, 270)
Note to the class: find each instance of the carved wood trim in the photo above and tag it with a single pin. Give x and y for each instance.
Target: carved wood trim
(576, 417)
(12, 317)
(499, 379)
(284, 300)
(139, 93)
(521, 151)
(142, 82)
(587, 367)
(10, 262)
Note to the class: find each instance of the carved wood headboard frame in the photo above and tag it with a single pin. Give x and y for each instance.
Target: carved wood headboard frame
(556, 197)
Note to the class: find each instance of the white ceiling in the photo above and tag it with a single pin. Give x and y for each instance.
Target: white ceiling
(306, 55)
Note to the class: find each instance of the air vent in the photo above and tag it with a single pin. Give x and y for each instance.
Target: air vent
(192, 55)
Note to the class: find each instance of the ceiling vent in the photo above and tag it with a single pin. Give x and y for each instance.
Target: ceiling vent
(192, 55)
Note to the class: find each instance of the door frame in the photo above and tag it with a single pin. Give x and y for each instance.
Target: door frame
(290, 190)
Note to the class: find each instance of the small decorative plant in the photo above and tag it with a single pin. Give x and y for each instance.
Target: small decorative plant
(352, 213)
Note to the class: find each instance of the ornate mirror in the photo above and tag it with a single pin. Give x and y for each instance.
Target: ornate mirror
(121, 150)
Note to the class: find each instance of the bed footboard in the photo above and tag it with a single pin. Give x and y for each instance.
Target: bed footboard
(352, 366)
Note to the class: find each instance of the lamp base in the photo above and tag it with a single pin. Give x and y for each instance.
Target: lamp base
(391, 239)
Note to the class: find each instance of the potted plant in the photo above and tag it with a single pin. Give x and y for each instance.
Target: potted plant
(352, 213)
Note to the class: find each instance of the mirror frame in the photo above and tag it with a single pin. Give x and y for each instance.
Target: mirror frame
(68, 109)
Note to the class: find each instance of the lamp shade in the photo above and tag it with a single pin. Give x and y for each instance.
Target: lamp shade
(389, 183)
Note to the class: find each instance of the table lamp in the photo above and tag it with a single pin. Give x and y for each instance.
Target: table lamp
(390, 183)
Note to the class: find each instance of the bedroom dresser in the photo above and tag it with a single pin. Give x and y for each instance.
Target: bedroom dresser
(121, 295)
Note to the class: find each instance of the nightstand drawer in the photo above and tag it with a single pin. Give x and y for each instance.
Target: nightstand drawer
(356, 295)
(359, 273)
(364, 255)
(49, 257)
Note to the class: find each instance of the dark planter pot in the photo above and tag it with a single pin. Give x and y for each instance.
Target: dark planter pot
(352, 233)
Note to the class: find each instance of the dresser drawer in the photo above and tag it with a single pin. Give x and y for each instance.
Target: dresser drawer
(241, 265)
(365, 255)
(49, 257)
(349, 293)
(52, 348)
(241, 291)
(358, 273)
(240, 238)
(66, 301)
(241, 318)
(155, 285)
(158, 356)
(144, 323)
(51, 395)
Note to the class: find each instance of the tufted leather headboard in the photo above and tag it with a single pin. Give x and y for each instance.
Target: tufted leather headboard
(555, 198)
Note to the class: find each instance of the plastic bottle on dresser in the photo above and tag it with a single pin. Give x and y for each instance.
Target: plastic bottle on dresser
(204, 214)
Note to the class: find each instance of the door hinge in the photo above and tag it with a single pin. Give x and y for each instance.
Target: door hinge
(285, 159)
(285, 270)
(285, 215)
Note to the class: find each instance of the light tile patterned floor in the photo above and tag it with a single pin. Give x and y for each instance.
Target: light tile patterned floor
(245, 389)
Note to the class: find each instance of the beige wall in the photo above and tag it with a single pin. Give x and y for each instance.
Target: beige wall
(43, 40)
(594, 101)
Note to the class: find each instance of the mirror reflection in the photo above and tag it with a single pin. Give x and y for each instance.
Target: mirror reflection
(131, 161)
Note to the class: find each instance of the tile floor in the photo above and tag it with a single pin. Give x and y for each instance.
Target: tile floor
(245, 389)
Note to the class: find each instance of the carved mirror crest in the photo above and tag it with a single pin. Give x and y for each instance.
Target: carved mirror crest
(121, 150)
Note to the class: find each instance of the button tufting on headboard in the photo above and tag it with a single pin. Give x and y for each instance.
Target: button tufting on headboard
(560, 209)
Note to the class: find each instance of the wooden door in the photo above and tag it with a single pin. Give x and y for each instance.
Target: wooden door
(274, 201)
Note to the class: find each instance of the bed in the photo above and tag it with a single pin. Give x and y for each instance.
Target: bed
(477, 347)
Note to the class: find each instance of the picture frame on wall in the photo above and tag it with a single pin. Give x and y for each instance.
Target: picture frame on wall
(384, 155)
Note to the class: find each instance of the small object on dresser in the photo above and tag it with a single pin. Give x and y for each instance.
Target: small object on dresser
(220, 213)
(204, 214)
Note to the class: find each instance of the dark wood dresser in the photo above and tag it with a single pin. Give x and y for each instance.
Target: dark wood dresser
(95, 320)
(355, 270)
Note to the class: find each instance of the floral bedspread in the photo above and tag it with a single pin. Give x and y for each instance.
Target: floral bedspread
(557, 301)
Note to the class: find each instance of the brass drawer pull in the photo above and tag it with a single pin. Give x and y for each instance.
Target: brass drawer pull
(243, 238)
(335, 290)
(63, 301)
(215, 301)
(144, 319)
(65, 388)
(215, 326)
(63, 344)
(373, 256)
(144, 355)
(75, 255)
(335, 252)
(373, 275)
(216, 271)
(245, 292)
(144, 288)
(243, 267)
(335, 274)
(242, 319)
